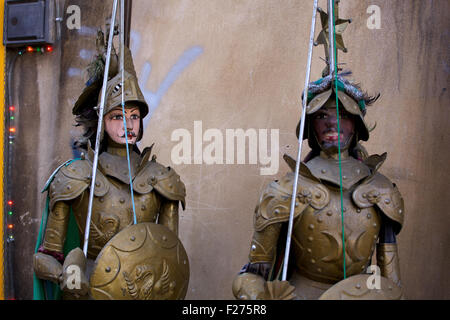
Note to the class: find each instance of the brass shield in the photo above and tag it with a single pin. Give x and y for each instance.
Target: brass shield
(360, 287)
(145, 261)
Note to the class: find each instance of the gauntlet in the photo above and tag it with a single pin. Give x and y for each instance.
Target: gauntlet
(387, 260)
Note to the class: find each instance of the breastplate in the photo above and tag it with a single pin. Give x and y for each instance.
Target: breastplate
(112, 212)
(318, 244)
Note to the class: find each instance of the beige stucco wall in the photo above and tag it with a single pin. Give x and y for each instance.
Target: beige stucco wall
(241, 64)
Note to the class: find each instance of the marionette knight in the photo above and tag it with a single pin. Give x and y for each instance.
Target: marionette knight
(372, 209)
(145, 262)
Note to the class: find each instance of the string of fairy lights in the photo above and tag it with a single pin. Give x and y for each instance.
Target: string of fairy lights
(11, 128)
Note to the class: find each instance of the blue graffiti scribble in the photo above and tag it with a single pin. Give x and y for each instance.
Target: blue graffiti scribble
(86, 54)
(154, 98)
(87, 31)
(135, 42)
(74, 72)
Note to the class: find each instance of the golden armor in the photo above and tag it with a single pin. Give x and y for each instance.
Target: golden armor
(157, 192)
(317, 234)
(344, 209)
(369, 199)
(147, 262)
(142, 260)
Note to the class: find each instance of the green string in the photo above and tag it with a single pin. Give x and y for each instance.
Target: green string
(339, 137)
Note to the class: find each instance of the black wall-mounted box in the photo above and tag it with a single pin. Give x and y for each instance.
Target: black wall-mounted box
(29, 22)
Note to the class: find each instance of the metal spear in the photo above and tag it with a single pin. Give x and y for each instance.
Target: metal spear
(99, 129)
(300, 140)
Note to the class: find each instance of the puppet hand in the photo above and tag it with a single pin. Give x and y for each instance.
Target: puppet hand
(248, 286)
(73, 278)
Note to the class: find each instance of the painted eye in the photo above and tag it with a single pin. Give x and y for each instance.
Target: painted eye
(321, 116)
(135, 117)
(117, 117)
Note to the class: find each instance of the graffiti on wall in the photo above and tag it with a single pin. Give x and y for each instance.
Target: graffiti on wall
(154, 98)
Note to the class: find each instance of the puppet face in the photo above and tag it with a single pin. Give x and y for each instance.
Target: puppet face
(114, 125)
(326, 127)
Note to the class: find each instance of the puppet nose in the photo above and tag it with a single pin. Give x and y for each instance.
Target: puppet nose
(129, 123)
(332, 121)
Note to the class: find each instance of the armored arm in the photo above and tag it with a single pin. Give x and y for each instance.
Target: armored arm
(250, 283)
(380, 192)
(65, 185)
(47, 262)
(392, 206)
(262, 251)
(253, 281)
(168, 215)
(55, 232)
(271, 212)
(168, 185)
(387, 253)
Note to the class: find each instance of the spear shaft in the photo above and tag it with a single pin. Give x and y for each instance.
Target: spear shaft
(300, 140)
(99, 129)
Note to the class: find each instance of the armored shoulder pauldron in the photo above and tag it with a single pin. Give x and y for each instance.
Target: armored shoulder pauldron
(379, 191)
(275, 201)
(72, 178)
(163, 179)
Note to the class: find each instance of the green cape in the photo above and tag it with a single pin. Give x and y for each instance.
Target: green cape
(44, 289)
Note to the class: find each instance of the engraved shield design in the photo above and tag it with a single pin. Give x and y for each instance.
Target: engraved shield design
(145, 261)
(357, 288)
